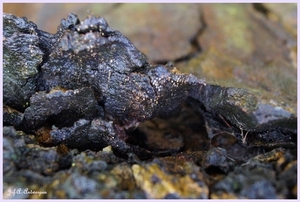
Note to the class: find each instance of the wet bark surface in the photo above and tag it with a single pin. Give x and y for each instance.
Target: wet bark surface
(90, 113)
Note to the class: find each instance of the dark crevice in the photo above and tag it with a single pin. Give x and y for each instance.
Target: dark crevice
(196, 47)
(137, 138)
(261, 8)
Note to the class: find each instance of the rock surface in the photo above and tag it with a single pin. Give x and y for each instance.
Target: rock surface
(234, 137)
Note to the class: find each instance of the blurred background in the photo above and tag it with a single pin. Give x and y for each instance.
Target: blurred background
(251, 46)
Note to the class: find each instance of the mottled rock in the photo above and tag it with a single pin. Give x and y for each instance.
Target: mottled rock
(119, 85)
(93, 88)
(118, 72)
(159, 184)
(60, 108)
(11, 117)
(255, 179)
(235, 55)
(123, 173)
(254, 122)
(91, 177)
(246, 185)
(95, 135)
(285, 13)
(166, 34)
(12, 24)
(216, 160)
(22, 153)
(21, 58)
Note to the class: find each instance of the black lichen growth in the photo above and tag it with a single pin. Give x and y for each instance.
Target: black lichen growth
(87, 86)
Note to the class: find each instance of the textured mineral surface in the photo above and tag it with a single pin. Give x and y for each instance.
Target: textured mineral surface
(87, 115)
